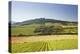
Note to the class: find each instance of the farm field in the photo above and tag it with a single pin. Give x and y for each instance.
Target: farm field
(55, 37)
(43, 43)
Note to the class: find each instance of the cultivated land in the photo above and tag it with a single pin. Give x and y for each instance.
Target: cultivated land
(44, 43)
(42, 38)
(43, 35)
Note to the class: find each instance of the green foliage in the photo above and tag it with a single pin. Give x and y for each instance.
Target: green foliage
(48, 30)
(44, 30)
(44, 45)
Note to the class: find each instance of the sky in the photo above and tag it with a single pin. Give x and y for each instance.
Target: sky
(22, 11)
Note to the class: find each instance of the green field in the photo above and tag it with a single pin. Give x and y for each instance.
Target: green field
(24, 39)
(45, 45)
(28, 30)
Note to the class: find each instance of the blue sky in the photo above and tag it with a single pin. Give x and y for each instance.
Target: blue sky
(22, 11)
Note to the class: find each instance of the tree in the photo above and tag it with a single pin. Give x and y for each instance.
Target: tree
(48, 30)
(57, 29)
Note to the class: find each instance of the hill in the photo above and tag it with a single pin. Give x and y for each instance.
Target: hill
(44, 20)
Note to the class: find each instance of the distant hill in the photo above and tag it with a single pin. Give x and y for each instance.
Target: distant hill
(43, 20)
